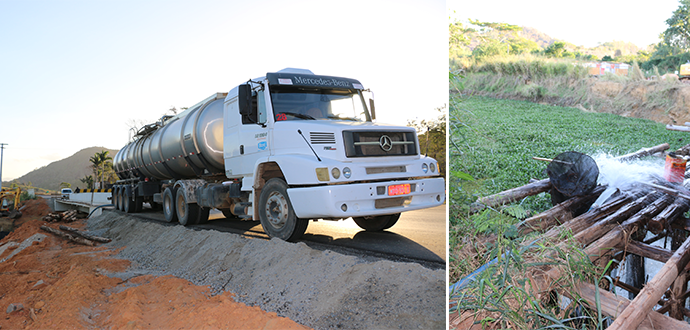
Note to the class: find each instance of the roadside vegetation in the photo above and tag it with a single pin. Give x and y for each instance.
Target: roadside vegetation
(491, 149)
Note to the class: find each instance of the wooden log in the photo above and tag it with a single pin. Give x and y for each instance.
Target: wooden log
(511, 195)
(552, 216)
(642, 305)
(615, 234)
(87, 236)
(589, 218)
(677, 301)
(612, 305)
(598, 229)
(601, 237)
(665, 218)
(69, 237)
(643, 152)
(646, 250)
(677, 128)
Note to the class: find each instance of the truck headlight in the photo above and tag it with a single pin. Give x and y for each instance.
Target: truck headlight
(432, 167)
(346, 172)
(425, 167)
(335, 172)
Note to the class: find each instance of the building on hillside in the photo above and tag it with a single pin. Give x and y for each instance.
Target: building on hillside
(601, 68)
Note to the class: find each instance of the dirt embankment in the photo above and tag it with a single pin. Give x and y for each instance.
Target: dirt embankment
(156, 276)
(52, 284)
(663, 102)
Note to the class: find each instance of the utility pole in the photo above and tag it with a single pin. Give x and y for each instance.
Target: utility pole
(2, 148)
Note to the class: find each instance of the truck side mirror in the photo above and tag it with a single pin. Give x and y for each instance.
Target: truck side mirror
(373, 110)
(244, 99)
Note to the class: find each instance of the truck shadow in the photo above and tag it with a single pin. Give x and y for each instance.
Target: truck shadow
(384, 242)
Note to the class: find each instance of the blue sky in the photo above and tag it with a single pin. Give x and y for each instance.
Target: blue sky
(75, 73)
(583, 23)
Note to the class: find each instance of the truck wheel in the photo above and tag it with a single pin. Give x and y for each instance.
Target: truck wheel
(187, 213)
(169, 204)
(113, 196)
(128, 202)
(377, 223)
(276, 214)
(138, 204)
(120, 204)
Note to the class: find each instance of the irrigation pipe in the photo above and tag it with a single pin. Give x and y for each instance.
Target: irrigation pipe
(98, 207)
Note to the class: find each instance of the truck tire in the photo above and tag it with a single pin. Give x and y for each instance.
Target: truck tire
(169, 204)
(121, 199)
(128, 201)
(187, 213)
(377, 223)
(113, 196)
(276, 214)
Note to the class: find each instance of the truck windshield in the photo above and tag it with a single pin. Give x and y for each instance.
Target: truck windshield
(316, 104)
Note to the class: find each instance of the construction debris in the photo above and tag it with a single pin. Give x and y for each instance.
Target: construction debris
(70, 237)
(67, 216)
(84, 235)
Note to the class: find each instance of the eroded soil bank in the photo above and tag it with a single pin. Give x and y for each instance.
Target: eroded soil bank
(48, 283)
(319, 289)
(157, 276)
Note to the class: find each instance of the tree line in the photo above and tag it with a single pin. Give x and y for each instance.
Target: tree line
(478, 40)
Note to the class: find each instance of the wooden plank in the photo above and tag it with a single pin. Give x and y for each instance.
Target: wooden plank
(642, 305)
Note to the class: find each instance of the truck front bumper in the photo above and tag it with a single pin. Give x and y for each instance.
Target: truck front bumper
(365, 199)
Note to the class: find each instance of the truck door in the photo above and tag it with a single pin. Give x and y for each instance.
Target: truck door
(246, 140)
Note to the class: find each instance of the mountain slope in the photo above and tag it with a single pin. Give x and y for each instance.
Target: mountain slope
(69, 170)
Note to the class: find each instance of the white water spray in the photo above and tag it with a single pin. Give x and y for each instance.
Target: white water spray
(625, 175)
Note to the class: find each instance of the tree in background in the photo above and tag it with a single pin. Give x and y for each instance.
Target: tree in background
(432, 138)
(678, 32)
(100, 163)
(88, 180)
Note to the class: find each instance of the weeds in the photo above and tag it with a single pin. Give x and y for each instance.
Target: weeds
(494, 149)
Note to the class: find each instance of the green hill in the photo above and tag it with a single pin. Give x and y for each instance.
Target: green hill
(69, 170)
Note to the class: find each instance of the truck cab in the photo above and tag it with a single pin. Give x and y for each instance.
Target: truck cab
(313, 138)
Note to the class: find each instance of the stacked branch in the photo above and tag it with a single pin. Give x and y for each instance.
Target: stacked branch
(67, 216)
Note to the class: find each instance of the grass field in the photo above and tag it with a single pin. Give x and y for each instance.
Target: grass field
(493, 142)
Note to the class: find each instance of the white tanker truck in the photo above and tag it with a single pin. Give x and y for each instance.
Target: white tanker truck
(284, 149)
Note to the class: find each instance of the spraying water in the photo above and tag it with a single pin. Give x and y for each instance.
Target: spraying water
(625, 175)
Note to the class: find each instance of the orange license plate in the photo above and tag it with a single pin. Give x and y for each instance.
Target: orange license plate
(399, 189)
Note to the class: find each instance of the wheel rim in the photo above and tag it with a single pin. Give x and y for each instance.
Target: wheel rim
(277, 210)
(181, 209)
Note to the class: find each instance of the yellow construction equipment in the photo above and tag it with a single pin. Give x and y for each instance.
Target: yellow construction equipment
(9, 200)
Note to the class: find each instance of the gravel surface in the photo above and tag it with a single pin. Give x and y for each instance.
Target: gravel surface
(320, 289)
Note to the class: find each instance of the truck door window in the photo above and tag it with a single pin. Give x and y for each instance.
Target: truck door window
(258, 115)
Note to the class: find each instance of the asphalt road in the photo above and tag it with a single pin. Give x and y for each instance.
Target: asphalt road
(418, 236)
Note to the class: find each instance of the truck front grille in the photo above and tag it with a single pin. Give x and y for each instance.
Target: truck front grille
(377, 143)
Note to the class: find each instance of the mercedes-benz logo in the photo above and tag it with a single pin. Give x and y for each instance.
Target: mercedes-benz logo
(386, 143)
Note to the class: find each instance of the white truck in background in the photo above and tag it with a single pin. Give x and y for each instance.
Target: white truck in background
(283, 149)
